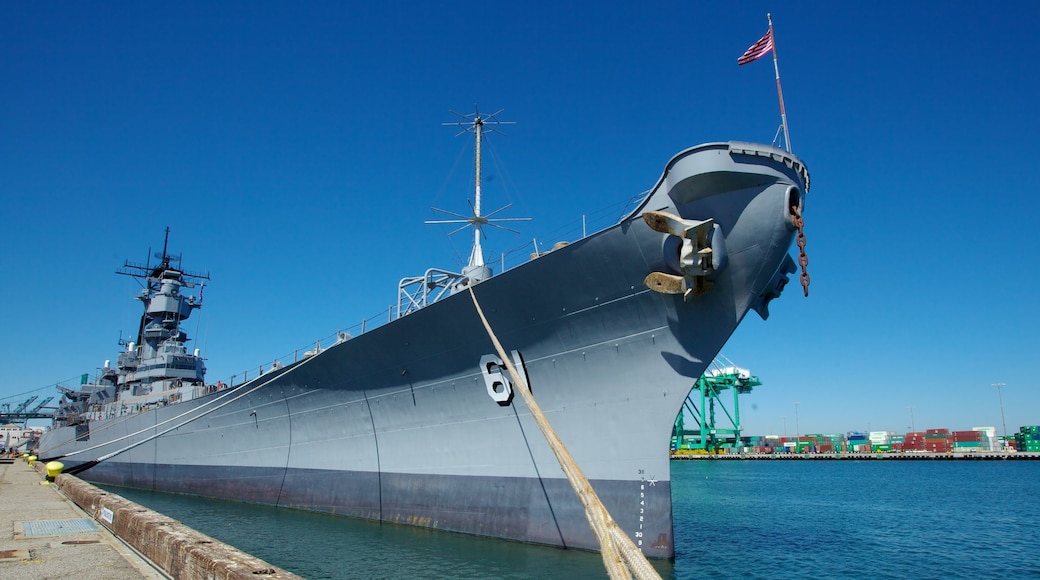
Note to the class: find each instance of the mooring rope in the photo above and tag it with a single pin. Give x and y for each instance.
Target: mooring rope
(621, 557)
(85, 466)
(124, 418)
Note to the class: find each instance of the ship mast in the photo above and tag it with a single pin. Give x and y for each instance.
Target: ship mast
(476, 256)
(476, 270)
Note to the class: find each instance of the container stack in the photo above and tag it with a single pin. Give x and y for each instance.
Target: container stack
(914, 441)
(858, 442)
(1028, 439)
(937, 441)
(897, 442)
(989, 438)
(771, 443)
(967, 441)
(760, 443)
(820, 443)
(806, 444)
(835, 440)
(881, 441)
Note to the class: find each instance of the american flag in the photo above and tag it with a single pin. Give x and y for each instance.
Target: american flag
(757, 50)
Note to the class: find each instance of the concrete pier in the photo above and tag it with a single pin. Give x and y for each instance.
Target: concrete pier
(72, 529)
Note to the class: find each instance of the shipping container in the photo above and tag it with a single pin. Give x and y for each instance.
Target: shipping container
(959, 445)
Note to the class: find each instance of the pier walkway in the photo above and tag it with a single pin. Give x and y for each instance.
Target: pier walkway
(71, 529)
(43, 535)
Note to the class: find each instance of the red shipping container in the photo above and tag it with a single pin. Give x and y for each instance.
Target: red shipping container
(967, 436)
(937, 431)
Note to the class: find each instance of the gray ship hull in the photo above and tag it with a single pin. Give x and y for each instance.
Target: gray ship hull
(397, 424)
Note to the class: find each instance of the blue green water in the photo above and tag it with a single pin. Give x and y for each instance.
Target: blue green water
(733, 519)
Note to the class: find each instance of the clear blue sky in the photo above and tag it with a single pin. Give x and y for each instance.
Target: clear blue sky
(296, 148)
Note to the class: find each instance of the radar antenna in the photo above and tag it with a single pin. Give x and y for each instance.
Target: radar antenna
(151, 274)
(477, 123)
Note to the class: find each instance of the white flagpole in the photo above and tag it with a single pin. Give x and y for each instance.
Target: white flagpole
(779, 92)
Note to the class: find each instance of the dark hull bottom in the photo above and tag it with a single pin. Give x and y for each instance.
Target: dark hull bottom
(542, 511)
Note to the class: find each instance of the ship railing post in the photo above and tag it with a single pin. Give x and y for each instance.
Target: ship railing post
(363, 326)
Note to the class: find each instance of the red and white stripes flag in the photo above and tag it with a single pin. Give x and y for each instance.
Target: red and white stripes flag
(757, 50)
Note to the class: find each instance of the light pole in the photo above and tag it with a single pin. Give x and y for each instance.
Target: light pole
(797, 431)
(912, 429)
(1003, 423)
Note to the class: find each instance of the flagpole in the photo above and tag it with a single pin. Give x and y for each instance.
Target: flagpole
(779, 91)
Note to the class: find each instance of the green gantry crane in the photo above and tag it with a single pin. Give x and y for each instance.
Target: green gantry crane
(709, 436)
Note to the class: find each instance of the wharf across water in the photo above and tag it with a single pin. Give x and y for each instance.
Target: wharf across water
(974, 456)
(45, 532)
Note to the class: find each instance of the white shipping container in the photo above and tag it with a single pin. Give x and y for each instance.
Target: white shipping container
(880, 437)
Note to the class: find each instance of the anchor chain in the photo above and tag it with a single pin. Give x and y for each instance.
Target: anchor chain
(803, 260)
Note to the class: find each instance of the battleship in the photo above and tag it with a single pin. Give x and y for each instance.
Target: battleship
(415, 421)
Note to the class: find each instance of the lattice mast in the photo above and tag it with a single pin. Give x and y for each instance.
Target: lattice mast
(477, 270)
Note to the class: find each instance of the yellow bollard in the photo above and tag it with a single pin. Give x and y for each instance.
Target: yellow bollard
(32, 459)
(53, 469)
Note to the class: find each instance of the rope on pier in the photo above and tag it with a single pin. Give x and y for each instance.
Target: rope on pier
(622, 558)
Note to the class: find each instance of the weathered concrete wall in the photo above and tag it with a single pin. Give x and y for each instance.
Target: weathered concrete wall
(179, 550)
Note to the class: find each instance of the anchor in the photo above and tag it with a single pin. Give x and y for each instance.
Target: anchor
(696, 256)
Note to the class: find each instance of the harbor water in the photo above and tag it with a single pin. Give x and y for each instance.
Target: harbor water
(749, 519)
